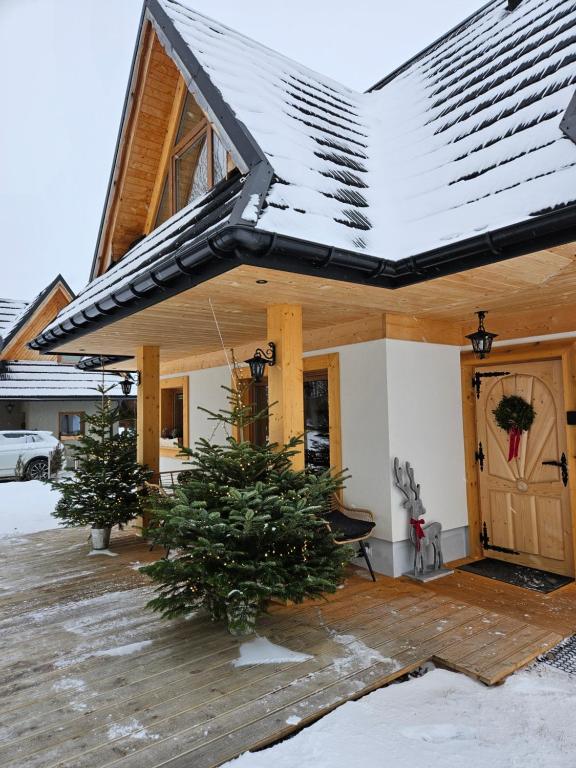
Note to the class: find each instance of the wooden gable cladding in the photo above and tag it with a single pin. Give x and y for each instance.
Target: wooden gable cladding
(52, 304)
(139, 160)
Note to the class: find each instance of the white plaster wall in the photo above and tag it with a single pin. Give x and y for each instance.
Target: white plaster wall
(398, 398)
(425, 427)
(43, 415)
(364, 414)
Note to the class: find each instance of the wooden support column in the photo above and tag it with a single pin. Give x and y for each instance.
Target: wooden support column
(285, 379)
(148, 407)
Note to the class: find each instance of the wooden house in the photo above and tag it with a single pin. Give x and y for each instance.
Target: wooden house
(41, 392)
(253, 200)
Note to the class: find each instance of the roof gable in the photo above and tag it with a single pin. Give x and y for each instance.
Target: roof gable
(456, 160)
(31, 318)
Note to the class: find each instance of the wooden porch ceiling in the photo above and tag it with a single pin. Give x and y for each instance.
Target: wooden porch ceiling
(528, 295)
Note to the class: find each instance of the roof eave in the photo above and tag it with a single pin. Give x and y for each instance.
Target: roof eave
(237, 244)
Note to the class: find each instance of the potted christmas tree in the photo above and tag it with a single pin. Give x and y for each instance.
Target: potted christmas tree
(106, 489)
(244, 527)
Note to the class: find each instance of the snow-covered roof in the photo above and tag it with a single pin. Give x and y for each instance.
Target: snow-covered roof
(465, 139)
(31, 380)
(174, 237)
(461, 142)
(15, 314)
(10, 312)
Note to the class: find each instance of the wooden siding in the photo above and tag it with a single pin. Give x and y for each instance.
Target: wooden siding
(46, 312)
(140, 151)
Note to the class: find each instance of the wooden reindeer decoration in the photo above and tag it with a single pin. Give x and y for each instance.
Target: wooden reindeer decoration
(422, 534)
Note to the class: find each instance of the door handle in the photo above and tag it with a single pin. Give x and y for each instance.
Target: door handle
(563, 464)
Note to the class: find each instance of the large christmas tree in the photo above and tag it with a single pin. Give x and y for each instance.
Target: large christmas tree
(244, 527)
(106, 489)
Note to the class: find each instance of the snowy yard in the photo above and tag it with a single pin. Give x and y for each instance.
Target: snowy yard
(26, 507)
(444, 720)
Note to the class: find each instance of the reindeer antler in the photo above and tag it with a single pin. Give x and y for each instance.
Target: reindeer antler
(403, 484)
(414, 486)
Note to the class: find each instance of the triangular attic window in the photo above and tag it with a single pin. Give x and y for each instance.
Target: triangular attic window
(197, 161)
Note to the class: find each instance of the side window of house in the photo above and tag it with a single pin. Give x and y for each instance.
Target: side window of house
(197, 162)
(71, 425)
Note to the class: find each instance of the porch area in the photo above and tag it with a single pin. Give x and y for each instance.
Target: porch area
(90, 678)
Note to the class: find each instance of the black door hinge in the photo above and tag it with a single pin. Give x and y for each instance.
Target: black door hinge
(479, 457)
(563, 464)
(477, 379)
(485, 542)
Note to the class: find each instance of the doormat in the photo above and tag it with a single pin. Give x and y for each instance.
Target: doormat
(562, 656)
(517, 575)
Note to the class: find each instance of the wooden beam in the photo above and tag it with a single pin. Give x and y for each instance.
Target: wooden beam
(171, 131)
(427, 330)
(148, 407)
(285, 379)
(531, 322)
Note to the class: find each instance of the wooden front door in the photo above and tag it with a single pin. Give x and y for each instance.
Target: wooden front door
(525, 504)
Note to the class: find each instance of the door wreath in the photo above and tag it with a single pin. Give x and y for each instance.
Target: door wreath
(514, 415)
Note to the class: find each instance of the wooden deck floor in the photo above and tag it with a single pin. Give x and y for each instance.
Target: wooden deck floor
(89, 678)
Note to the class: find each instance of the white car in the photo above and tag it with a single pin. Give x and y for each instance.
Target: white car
(34, 448)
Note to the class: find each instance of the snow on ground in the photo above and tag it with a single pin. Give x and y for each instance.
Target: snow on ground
(442, 719)
(263, 651)
(26, 507)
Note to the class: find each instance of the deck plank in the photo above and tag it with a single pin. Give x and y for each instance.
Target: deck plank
(175, 699)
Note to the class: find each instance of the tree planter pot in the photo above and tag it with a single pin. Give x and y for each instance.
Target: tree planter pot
(100, 537)
(241, 614)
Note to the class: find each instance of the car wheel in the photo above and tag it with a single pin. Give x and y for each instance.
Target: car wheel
(37, 470)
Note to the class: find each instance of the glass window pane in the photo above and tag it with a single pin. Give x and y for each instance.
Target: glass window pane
(191, 116)
(70, 424)
(218, 158)
(191, 172)
(164, 207)
(316, 424)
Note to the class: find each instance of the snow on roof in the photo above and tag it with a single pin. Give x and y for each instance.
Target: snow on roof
(465, 139)
(10, 312)
(192, 224)
(31, 380)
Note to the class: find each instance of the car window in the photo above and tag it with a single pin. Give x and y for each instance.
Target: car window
(15, 438)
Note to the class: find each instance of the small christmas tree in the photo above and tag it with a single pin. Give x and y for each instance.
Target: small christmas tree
(245, 527)
(106, 489)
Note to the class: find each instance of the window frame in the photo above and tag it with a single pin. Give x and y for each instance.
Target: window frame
(68, 437)
(168, 165)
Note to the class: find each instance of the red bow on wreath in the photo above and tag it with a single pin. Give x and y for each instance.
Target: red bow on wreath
(514, 435)
(514, 415)
(418, 530)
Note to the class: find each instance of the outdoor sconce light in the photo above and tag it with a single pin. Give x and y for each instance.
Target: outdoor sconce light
(127, 381)
(260, 360)
(9, 407)
(481, 339)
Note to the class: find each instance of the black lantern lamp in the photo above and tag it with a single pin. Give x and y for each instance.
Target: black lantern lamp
(260, 360)
(481, 339)
(127, 380)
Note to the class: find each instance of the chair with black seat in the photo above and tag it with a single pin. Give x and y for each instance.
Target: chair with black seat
(350, 525)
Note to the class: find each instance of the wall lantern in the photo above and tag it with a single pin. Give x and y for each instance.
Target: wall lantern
(129, 378)
(481, 339)
(260, 360)
(9, 407)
